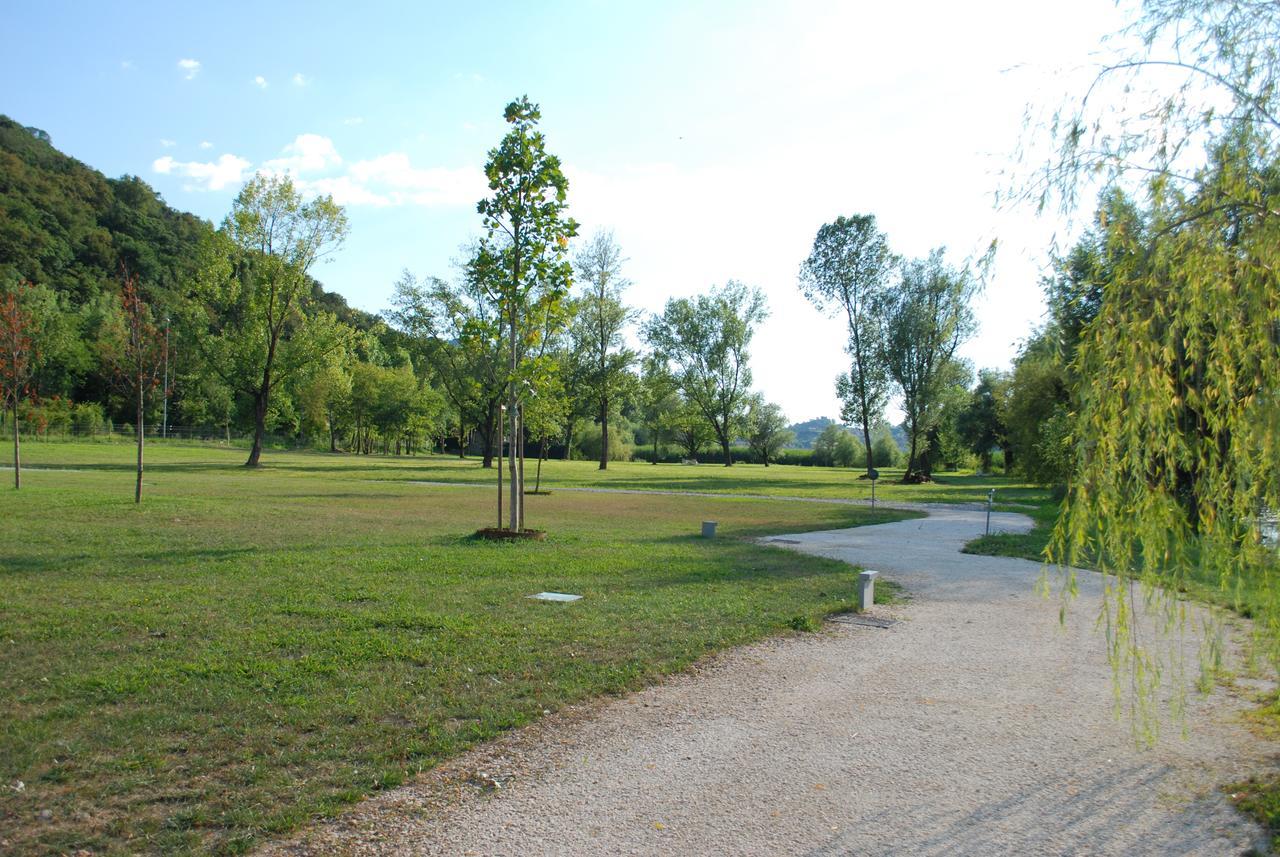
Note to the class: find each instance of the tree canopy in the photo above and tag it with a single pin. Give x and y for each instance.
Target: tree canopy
(705, 341)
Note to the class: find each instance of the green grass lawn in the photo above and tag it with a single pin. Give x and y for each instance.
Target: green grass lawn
(1012, 494)
(250, 650)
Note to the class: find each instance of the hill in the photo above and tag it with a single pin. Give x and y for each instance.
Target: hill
(67, 227)
(807, 432)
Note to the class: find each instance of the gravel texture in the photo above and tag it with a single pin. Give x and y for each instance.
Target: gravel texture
(976, 725)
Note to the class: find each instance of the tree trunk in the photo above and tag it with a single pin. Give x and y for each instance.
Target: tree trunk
(259, 426)
(542, 453)
(499, 469)
(866, 440)
(333, 435)
(604, 432)
(137, 490)
(513, 513)
(911, 456)
(520, 469)
(486, 437)
(655, 447)
(17, 447)
(724, 444)
(513, 488)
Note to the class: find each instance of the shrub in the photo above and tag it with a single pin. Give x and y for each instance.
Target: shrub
(587, 443)
(87, 418)
(795, 456)
(884, 451)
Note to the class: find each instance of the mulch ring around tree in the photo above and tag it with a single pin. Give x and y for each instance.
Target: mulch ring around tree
(502, 534)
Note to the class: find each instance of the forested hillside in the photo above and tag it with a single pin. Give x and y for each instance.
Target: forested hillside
(73, 233)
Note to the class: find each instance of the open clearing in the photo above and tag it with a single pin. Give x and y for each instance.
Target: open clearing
(974, 726)
(251, 650)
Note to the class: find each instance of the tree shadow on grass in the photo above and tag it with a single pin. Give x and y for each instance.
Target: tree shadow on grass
(74, 563)
(131, 467)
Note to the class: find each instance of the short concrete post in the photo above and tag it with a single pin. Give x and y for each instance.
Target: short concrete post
(867, 589)
(708, 529)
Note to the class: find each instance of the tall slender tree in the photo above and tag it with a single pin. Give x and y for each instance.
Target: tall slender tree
(521, 261)
(135, 350)
(598, 323)
(19, 354)
(847, 273)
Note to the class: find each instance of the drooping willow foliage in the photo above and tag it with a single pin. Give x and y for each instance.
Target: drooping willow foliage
(1176, 427)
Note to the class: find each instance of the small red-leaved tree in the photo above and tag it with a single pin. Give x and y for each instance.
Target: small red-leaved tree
(18, 356)
(134, 349)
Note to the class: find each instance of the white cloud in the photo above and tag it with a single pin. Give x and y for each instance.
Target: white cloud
(299, 79)
(346, 191)
(168, 144)
(190, 68)
(227, 170)
(394, 177)
(126, 64)
(317, 168)
(260, 82)
(308, 153)
(353, 120)
(205, 144)
(469, 77)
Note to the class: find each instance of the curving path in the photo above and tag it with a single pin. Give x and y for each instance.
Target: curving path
(976, 725)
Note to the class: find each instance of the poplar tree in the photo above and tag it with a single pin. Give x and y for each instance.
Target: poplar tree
(847, 274)
(599, 320)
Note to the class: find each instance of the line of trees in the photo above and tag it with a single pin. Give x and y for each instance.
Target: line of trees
(524, 348)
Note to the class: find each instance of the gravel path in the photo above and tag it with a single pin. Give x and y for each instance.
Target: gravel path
(976, 725)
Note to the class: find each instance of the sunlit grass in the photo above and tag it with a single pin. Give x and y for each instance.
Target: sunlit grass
(249, 650)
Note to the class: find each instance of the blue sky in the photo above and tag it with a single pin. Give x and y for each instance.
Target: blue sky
(713, 138)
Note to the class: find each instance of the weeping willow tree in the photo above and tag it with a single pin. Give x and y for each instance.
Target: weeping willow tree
(1176, 426)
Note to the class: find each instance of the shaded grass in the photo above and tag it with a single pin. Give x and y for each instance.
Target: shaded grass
(1030, 545)
(1259, 798)
(250, 650)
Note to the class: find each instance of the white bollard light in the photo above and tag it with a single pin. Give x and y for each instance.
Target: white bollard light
(708, 529)
(867, 589)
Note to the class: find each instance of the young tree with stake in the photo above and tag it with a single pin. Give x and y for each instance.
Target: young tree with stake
(521, 261)
(134, 349)
(18, 358)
